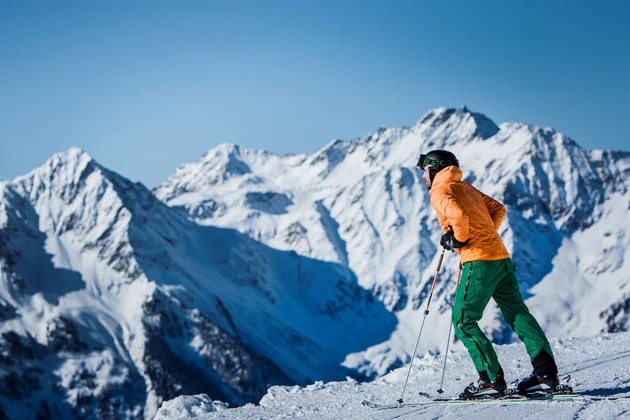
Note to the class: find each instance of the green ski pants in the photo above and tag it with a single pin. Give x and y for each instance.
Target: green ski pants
(482, 280)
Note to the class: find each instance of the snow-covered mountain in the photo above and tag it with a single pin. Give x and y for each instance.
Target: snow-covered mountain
(248, 269)
(112, 301)
(362, 204)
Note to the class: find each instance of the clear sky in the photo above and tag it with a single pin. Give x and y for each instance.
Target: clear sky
(144, 86)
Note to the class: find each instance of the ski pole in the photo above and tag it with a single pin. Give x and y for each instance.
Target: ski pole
(448, 342)
(426, 312)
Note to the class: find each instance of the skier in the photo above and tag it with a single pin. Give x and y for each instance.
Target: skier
(471, 220)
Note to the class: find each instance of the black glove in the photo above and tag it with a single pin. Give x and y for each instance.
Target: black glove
(449, 242)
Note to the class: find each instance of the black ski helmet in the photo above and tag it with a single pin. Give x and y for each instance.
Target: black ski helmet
(436, 160)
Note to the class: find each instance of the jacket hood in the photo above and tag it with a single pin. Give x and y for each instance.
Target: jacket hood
(448, 174)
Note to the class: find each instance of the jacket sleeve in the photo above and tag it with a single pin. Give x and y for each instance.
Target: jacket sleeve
(497, 210)
(451, 213)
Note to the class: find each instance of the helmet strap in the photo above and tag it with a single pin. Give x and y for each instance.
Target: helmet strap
(433, 172)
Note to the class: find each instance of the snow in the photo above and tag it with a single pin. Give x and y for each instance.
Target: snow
(251, 269)
(598, 366)
(577, 273)
(361, 203)
(187, 407)
(145, 291)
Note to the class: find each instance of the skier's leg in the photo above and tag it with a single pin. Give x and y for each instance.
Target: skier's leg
(471, 298)
(508, 297)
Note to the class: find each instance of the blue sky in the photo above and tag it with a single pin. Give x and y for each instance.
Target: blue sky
(144, 86)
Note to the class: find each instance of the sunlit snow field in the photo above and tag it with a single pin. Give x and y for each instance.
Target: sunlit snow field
(598, 366)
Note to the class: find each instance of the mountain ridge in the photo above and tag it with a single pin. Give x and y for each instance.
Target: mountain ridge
(272, 260)
(553, 189)
(109, 289)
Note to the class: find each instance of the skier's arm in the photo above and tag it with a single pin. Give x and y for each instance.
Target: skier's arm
(496, 210)
(454, 214)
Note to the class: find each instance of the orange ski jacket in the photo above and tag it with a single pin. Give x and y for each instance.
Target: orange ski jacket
(474, 217)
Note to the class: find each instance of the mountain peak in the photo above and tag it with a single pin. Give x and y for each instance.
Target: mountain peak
(223, 149)
(72, 154)
(64, 168)
(74, 151)
(72, 173)
(234, 151)
(226, 157)
(462, 121)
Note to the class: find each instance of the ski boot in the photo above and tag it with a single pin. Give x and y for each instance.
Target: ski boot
(484, 389)
(544, 384)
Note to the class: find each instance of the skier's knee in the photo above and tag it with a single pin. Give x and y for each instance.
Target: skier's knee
(455, 319)
(468, 326)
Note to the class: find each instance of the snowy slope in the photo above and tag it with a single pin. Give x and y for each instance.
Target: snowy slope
(248, 269)
(111, 301)
(362, 204)
(598, 366)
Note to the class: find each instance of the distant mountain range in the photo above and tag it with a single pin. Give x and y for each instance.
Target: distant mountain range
(248, 269)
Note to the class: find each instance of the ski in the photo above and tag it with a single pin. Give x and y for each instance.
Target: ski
(454, 401)
(516, 399)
